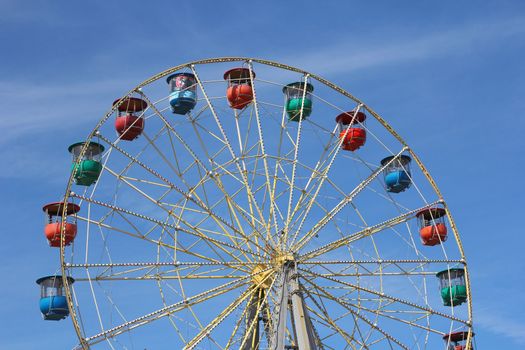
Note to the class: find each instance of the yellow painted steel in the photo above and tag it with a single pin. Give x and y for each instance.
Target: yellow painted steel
(263, 272)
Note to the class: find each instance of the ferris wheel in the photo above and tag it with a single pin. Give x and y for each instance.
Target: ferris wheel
(239, 203)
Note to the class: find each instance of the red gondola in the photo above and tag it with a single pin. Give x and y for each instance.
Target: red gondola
(351, 130)
(239, 92)
(457, 341)
(128, 125)
(432, 228)
(54, 224)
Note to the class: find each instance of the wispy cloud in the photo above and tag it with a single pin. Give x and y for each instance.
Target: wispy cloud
(36, 108)
(504, 325)
(40, 13)
(35, 118)
(356, 54)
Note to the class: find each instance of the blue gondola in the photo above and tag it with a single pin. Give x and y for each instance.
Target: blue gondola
(183, 92)
(53, 303)
(397, 173)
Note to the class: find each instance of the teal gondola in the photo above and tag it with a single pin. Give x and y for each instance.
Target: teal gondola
(298, 100)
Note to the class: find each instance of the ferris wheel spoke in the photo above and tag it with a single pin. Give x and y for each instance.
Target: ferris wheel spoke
(411, 319)
(380, 268)
(238, 128)
(336, 188)
(246, 214)
(187, 302)
(213, 175)
(149, 240)
(343, 203)
(254, 221)
(251, 198)
(272, 215)
(193, 232)
(421, 262)
(369, 231)
(383, 295)
(234, 210)
(203, 177)
(330, 322)
(316, 172)
(193, 228)
(238, 323)
(175, 167)
(255, 321)
(295, 160)
(156, 277)
(310, 187)
(162, 264)
(187, 195)
(306, 192)
(227, 311)
(381, 273)
(192, 189)
(364, 342)
(320, 305)
(278, 159)
(368, 274)
(237, 209)
(412, 323)
(323, 176)
(263, 150)
(218, 319)
(145, 273)
(278, 196)
(323, 293)
(172, 130)
(197, 161)
(145, 237)
(134, 160)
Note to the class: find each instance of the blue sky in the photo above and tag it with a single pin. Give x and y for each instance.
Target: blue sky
(448, 76)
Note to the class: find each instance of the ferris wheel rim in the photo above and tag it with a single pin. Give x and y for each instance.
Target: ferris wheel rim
(65, 266)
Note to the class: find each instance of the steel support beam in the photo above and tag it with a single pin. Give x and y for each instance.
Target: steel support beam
(279, 323)
(252, 315)
(290, 297)
(305, 335)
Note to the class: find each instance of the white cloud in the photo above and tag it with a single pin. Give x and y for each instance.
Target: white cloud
(359, 54)
(35, 117)
(37, 108)
(32, 107)
(503, 325)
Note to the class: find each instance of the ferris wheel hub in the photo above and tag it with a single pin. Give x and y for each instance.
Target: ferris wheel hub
(260, 276)
(283, 258)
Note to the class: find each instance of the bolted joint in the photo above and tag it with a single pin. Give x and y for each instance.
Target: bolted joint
(294, 276)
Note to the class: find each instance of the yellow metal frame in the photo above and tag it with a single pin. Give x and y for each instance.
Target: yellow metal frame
(256, 274)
